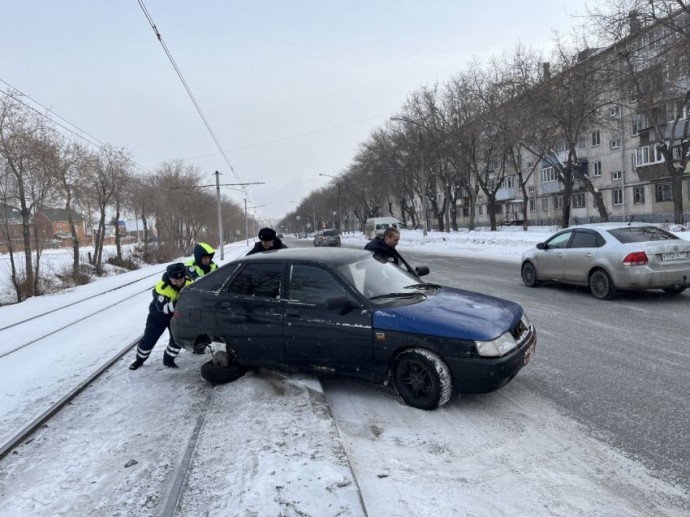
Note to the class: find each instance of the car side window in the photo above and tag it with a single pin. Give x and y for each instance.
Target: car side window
(313, 285)
(585, 239)
(260, 280)
(560, 240)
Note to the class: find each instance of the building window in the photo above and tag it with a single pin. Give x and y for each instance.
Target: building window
(664, 192)
(530, 190)
(529, 165)
(579, 200)
(548, 174)
(596, 138)
(545, 204)
(617, 196)
(616, 175)
(481, 209)
(597, 169)
(509, 182)
(614, 111)
(646, 155)
(615, 143)
(532, 205)
(558, 202)
(638, 195)
(466, 211)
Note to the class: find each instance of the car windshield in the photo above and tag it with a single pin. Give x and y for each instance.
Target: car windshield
(379, 279)
(641, 234)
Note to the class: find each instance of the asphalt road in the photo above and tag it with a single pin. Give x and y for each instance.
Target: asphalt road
(619, 367)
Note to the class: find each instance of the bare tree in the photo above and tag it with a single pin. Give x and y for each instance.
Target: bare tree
(24, 144)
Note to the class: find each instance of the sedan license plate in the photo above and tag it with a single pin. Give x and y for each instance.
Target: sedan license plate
(676, 255)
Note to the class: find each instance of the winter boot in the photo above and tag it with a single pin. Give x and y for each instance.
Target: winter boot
(136, 364)
(169, 361)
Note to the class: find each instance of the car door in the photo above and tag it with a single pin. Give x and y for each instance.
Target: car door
(550, 261)
(578, 257)
(333, 339)
(249, 314)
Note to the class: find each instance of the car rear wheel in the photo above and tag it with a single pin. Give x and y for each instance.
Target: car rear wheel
(673, 291)
(529, 275)
(422, 379)
(601, 285)
(223, 368)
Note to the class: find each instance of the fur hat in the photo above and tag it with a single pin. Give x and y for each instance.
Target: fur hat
(177, 270)
(267, 234)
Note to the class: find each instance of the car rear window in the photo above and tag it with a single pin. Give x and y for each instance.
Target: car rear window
(330, 233)
(641, 234)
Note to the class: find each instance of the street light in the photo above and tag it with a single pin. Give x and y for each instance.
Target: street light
(422, 171)
(340, 204)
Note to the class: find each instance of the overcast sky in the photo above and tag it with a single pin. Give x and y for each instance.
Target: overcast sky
(290, 89)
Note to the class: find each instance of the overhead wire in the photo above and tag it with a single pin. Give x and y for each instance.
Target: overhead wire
(82, 135)
(159, 37)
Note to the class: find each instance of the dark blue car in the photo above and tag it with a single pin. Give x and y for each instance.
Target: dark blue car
(349, 313)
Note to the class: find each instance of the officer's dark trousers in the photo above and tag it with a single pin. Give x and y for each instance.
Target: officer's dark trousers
(155, 326)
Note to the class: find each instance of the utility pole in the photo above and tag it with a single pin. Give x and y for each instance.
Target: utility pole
(220, 218)
(220, 215)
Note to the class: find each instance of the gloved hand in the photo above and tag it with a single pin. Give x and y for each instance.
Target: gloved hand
(169, 307)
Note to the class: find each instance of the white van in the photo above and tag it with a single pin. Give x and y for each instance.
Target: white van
(375, 226)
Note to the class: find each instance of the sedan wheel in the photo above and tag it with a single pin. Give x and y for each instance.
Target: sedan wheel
(529, 275)
(422, 379)
(221, 374)
(601, 285)
(673, 291)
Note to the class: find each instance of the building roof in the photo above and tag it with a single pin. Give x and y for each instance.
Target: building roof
(59, 214)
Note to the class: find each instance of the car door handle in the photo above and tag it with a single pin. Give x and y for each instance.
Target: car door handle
(292, 313)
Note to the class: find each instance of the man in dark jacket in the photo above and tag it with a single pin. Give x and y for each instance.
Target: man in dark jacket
(161, 310)
(268, 240)
(384, 248)
(202, 263)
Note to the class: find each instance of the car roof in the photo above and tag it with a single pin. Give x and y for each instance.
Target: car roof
(332, 256)
(608, 226)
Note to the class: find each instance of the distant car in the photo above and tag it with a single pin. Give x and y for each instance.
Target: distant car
(317, 238)
(330, 238)
(608, 257)
(343, 312)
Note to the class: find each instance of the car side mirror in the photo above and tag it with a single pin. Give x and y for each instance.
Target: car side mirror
(542, 246)
(422, 270)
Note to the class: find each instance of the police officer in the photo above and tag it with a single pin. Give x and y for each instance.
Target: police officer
(268, 240)
(202, 263)
(161, 310)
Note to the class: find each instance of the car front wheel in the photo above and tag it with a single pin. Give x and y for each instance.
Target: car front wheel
(529, 275)
(422, 379)
(673, 291)
(601, 285)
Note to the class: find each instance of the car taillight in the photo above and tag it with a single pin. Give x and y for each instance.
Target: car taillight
(636, 258)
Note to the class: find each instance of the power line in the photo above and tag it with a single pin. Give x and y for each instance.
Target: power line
(89, 139)
(186, 87)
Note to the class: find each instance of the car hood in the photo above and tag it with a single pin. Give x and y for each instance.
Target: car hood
(452, 313)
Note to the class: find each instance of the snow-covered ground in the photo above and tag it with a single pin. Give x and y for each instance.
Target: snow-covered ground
(267, 443)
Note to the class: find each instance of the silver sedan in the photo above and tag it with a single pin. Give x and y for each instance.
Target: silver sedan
(608, 257)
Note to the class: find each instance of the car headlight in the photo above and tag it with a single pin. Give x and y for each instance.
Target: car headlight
(496, 347)
(525, 320)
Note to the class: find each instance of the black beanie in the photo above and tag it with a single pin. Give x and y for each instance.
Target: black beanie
(267, 234)
(176, 270)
